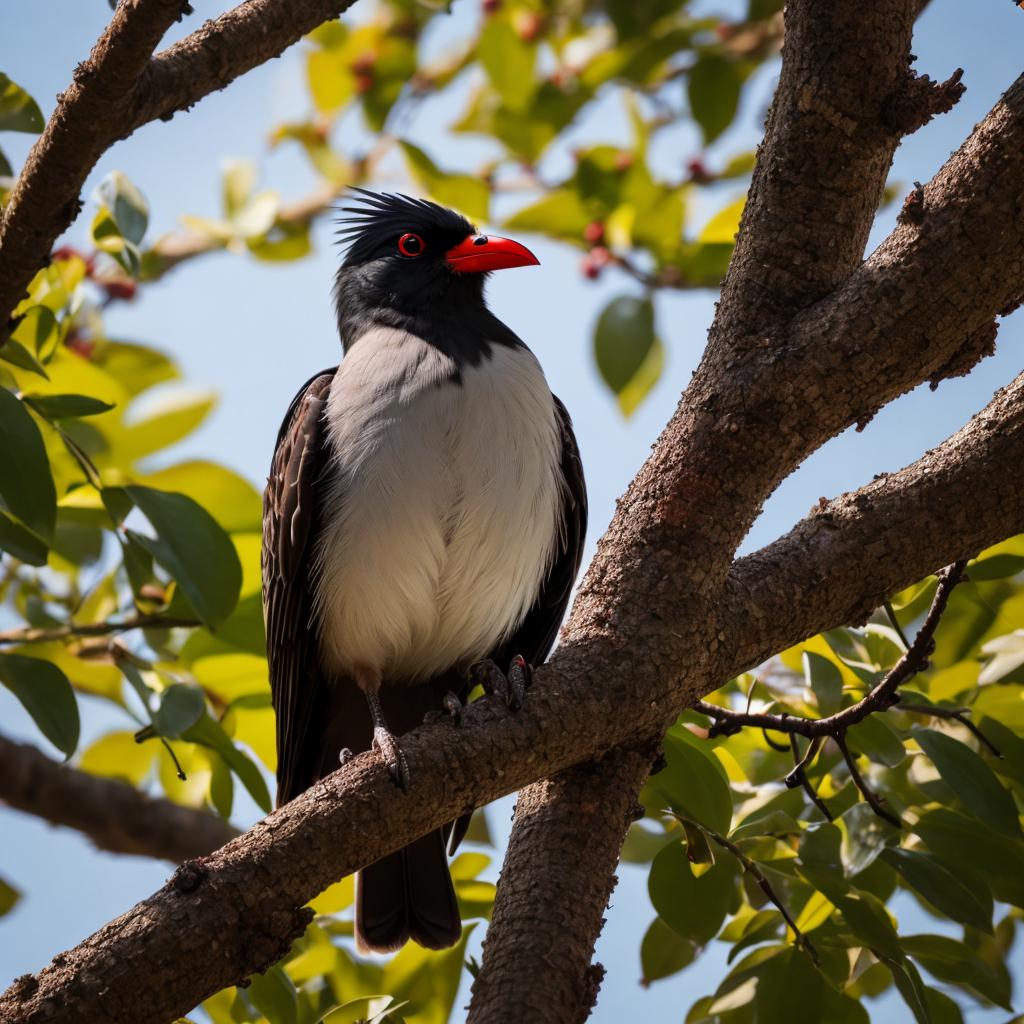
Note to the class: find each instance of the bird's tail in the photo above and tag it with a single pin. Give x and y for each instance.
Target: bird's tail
(408, 895)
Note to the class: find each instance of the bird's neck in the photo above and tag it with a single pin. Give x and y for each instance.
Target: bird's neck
(452, 316)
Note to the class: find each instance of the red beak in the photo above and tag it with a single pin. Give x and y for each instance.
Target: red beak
(479, 253)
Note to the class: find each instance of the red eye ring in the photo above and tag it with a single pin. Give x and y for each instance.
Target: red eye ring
(411, 245)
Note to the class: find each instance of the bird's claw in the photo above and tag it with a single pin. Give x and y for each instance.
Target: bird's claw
(511, 686)
(393, 756)
(344, 756)
(450, 711)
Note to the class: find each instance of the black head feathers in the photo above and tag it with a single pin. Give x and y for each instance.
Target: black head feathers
(376, 225)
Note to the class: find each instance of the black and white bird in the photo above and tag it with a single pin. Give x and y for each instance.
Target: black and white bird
(423, 520)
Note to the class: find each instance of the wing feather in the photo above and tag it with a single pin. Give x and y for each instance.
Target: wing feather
(291, 511)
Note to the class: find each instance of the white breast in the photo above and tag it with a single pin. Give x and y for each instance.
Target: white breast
(444, 507)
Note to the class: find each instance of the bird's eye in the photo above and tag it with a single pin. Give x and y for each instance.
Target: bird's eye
(411, 245)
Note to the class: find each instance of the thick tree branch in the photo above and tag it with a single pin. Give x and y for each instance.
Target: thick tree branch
(954, 501)
(89, 117)
(113, 814)
(551, 943)
(119, 89)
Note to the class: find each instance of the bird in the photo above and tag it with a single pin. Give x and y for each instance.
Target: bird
(423, 526)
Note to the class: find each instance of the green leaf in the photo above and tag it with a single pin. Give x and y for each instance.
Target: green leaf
(9, 897)
(20, 542)
(46, 694)
(971, 779)
(26, 485)
(57, 407)
(825, 679)
(721, 230)
(626, 349)
(875, 738)
(791, 989)
(181, 706)
(18, 111)
(955, 962)
(193, 548)
(13, 352)
(274, 995)
(175, 419)
(38, 331)
(911, 988)
(463, 191)
(209, 733)
(927, 875)
(559, 213)
(941, 1008)
(865, 835)
(228, 497)
(125, 204)
(694, 783)
(508, 61)
(664, 952)
(869, 921)
(714, 91)
(694, 907)
(958, 839)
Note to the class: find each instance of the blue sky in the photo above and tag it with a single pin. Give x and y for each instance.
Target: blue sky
(254, 332)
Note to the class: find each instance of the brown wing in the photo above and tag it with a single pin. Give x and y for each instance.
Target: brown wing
(291, 510)
(536, 636)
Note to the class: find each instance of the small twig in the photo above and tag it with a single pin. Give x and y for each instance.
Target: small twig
(798, 776)
(38, 635)
(957, 715)
(872, 798)
(891, 613)
(881, 697)
(764, 885)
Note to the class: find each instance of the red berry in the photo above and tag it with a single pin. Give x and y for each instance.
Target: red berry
(363, 82)
(593, 233)
(528, 25)
(697, 170)
(624, 160)
(491, 6)
(363, 64)
(589, 269)
(80, 346)
(600, 255)
(123, 288)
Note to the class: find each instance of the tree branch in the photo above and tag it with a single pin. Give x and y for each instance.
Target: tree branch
(119, 89)
(883, 695)
(45, 634)
(88, 119)
(538, 953)
(113, 814)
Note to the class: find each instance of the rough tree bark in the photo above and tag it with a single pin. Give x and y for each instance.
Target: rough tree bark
(829, 141)
(114, 815)
(650, 631)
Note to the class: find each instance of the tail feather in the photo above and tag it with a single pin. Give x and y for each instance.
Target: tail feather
(408, 895)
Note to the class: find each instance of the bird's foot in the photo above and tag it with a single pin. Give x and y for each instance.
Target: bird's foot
(511, 686)
(394, 757)
(450, 711)
(344, 756)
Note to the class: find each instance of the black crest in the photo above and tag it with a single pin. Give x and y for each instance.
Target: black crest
(383, 217)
